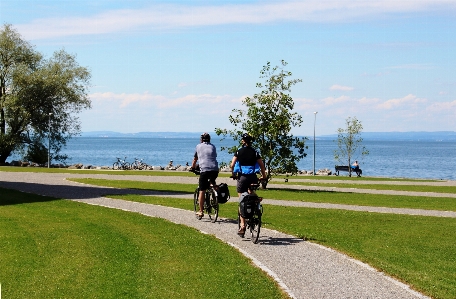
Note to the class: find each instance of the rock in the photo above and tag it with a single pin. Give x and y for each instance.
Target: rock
(325, 171)
(15, 163)
(225, 168)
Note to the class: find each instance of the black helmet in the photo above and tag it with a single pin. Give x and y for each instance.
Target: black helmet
(205, 137)
(247, 138)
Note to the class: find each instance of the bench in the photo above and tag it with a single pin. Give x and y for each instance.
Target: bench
(356, 170)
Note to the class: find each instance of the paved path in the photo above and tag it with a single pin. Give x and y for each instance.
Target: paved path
(303, 269)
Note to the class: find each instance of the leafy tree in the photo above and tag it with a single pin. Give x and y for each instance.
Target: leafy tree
(269, 119)
(349, 142)
(31, 88)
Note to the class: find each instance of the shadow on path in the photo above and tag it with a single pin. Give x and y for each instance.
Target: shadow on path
(57, 192)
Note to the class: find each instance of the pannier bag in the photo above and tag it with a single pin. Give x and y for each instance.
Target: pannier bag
(223, 193)
(248, 205)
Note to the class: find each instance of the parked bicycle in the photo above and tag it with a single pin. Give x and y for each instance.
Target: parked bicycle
(252, 210)
(121, 164)
(211, 205)
(139, 165)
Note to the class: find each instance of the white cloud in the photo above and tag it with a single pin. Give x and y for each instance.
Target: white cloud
(449, 107)
(332, 100)
(159, 17)
(340, 87)
(124, 100)
(401, 102)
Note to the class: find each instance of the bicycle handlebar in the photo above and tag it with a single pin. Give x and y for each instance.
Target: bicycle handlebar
(195, 171)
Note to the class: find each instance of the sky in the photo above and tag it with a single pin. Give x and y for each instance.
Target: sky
(183, 66)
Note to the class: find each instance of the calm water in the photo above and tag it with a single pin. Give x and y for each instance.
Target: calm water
(412, 159)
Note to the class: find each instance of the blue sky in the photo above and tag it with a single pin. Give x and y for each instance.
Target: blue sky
(184, 65)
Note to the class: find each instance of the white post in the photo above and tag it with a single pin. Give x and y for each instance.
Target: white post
(315, 120)
(49, 141)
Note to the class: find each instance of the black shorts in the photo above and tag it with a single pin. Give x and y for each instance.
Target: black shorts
(206, 178)
(245, 181)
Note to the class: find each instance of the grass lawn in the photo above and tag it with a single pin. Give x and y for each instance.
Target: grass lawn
(417, 250)
(190, 174)
(62, 249)
(378, 200)
(414, 188)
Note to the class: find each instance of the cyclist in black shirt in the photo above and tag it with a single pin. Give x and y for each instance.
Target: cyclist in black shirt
(249, 161)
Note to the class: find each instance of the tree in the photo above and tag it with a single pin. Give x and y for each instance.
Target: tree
(269, 119)
(349, 142)
(31, 88)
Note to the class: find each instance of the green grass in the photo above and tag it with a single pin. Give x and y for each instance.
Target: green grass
(413, 188)
(377, 200)
(107, 171)
(62, 249)
(347, 178)
(184, 173)
(417, 250)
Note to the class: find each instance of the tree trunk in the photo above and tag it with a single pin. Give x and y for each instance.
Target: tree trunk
(2, 122)
(3, 156)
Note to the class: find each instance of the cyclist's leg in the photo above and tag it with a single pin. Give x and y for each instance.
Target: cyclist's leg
(213, 175)
(243, 184)
(203, 186)
(201, 200)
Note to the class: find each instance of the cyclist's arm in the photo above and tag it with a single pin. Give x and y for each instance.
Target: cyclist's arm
(262, 169)
(195, 158)
(233, 161)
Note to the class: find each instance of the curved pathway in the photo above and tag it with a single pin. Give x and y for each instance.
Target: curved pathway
(303, 269)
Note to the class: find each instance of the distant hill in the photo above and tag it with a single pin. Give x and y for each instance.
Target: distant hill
(392, 136)
(404, 136)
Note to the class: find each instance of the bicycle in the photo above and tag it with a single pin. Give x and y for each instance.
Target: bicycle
(121, 164)
(139, 165)
(211, 205)
(252, 210)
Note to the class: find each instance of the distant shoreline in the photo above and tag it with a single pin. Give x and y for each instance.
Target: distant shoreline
(438, 136)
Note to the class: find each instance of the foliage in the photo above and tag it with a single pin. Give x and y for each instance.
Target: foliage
(38, 97)
(37, 153)
(349, 142)
(269, 119)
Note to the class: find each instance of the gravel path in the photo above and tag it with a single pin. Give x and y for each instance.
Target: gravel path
(303, 269)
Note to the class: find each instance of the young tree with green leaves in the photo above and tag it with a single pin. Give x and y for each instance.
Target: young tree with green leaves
(349, 142)
(269, 119)
(31, 88)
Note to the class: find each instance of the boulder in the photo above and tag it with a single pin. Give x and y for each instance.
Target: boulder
(15, 163)
(225, 168)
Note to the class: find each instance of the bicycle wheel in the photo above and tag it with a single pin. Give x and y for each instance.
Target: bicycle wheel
(255, 226)
(196, 202)
(126, 166)
(134, 166)
(116, 166)
(212, 205)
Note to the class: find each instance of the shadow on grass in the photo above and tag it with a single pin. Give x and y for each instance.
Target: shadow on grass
(58, 192)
